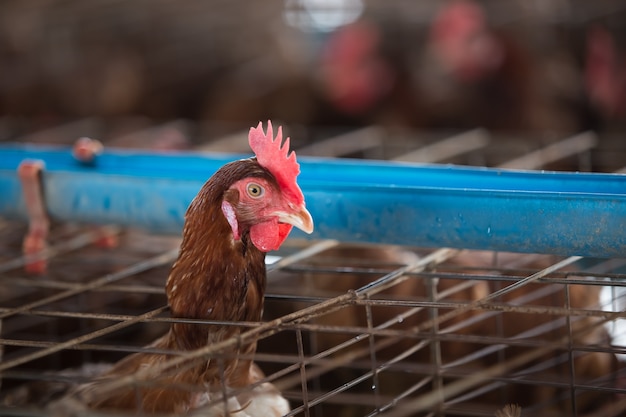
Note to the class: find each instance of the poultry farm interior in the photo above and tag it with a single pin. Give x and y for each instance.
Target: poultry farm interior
(349, 329)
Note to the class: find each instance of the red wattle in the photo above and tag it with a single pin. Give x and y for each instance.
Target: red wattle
(270, 235)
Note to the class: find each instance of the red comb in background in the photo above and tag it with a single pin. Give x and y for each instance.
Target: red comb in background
(276, 158)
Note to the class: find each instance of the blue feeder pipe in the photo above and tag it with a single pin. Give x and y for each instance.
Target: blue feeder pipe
(353, 201)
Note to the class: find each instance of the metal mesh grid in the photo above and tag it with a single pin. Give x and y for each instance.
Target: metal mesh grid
(350, 330)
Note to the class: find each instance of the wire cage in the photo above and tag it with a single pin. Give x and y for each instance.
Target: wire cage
(438, 312)
(350, 329)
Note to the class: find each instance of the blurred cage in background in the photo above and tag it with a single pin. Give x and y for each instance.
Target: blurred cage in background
(349, 330)
(542, 66)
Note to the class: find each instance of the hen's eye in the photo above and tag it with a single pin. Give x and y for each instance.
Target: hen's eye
(255, 190)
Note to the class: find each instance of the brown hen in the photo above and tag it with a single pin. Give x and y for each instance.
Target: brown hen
(244, 210)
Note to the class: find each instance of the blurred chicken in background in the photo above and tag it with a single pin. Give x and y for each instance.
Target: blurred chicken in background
(605, 74)
(473, 72)
(353, 74)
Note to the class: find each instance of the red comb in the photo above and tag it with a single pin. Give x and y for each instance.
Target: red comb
(276, 158)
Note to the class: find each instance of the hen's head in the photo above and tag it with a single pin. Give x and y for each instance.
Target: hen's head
(263, 198)
(464, 43)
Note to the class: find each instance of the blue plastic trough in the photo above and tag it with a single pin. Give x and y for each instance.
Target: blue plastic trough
(353, 201)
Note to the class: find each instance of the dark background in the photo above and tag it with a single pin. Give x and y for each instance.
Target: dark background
(515, 65)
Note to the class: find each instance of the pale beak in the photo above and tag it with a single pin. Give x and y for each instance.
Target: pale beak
(301, 219)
